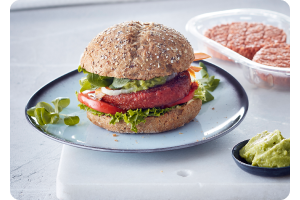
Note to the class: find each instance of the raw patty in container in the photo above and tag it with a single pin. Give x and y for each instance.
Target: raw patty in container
(275, 55)
(244, 38)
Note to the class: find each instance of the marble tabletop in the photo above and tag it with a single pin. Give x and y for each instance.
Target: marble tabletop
(47, 42)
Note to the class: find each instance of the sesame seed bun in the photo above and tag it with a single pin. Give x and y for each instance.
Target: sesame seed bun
(171, 120)
(137, 50)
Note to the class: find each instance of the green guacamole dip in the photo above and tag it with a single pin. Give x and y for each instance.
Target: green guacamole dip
(267, 150)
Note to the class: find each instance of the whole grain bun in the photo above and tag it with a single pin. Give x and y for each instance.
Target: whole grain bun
(170, 120)
(137, 50)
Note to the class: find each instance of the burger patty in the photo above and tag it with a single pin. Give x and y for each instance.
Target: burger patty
(158, 96)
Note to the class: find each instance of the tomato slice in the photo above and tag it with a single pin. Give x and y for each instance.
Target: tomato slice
(98, 105)
(188, 97)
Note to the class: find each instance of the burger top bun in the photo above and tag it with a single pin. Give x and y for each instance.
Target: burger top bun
(137, 50)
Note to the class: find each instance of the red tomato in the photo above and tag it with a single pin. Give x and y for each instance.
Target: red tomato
(190, 95)
(98, 105)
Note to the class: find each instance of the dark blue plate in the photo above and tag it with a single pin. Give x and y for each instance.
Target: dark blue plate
(260, 171)
(231, 104)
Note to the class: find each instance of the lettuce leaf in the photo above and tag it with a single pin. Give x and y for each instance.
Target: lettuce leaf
(132, 117)
(206, 84)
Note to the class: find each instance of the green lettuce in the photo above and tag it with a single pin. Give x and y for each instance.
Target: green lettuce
(132, 117)
(206, 84)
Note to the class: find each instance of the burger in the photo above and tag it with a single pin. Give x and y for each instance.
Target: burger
(139, 79)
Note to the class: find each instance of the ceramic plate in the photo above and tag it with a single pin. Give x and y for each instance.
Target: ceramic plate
(216, 118)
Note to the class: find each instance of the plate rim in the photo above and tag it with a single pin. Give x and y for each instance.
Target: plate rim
(222, 133)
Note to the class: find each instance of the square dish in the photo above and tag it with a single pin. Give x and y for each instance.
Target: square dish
(261, 75)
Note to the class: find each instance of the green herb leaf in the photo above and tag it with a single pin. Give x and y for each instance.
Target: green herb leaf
(203, 70)
(45, 105)
(213, 86)
(38, 115)
(44, 113)
(62, 102)
(57, 106)
(30, 111)
(201, 64)
(207, 83)
(54, 118)
(208, 97)
(71, 120)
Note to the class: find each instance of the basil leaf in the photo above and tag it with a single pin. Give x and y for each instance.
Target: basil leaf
(100, 81)
(45, 105)
(71, 120)
(30, 111)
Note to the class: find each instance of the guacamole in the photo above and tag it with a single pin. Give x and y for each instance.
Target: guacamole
(267, 150)
(145, 84)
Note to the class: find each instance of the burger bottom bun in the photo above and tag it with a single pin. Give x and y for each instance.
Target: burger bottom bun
(170, 120)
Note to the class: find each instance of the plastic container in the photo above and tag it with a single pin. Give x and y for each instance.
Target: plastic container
(258, 74)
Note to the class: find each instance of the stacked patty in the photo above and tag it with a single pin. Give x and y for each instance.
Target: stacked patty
(245, 38)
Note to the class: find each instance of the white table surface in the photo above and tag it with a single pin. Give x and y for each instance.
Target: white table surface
(46, 43)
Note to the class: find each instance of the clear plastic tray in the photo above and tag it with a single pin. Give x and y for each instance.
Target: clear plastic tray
(258, 74)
